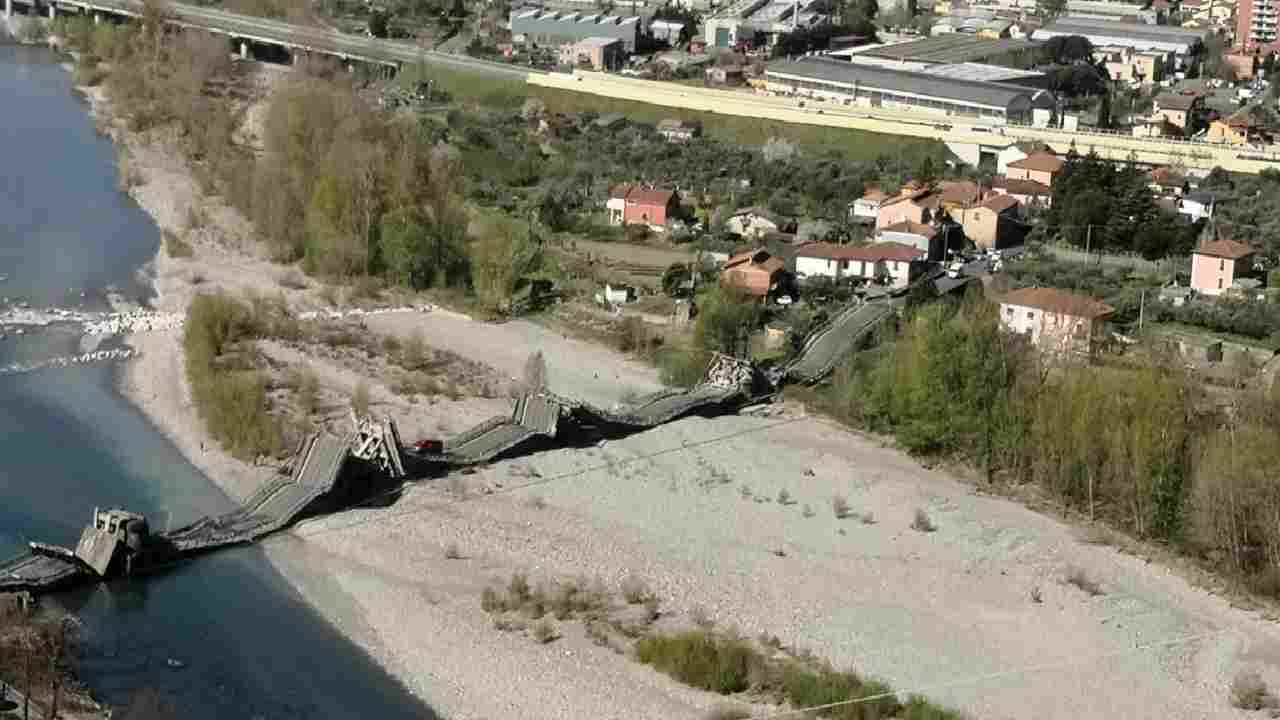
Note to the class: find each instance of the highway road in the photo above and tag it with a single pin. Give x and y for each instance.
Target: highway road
(299, 37)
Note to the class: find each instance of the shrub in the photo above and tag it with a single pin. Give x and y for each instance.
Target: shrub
(922, 522)
(784, 497)
(651, 609)
(699, 659)
(1248, 691)
(808, 511)
(360, 399)
(867, 518)
(452, 552)
(635, 590)
(229, 393)
(840, 506)
(1077, 577)
(306, 388)
(518, 589)
(491, 601)
(544, 632)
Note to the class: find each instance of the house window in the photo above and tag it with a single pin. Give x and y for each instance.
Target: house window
(1008, 311)
(1031, 315)
(1219, 283)
(1222, 265)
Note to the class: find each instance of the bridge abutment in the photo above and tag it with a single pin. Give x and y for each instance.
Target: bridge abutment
(244, 50)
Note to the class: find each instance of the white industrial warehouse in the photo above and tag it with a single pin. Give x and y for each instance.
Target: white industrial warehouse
(881, 87)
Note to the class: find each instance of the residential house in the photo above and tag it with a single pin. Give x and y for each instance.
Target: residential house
(754, 222)
(733, 75)
(597, 53)
(924, 238)
(1241, 128)
(1167, 181)
(1181, 111)
(994, 224)
(756, 272)
(891, 262)
(1054, 320)
(866, 209)
(635, 205)
(1017, 151)
(679, 131)
(1196, 205)
(1156, 127)
(954, 198)
(1127, 65)
(1216, 264)
(823, 259)
(1039, 167)
(1027, 192)
(914, 203)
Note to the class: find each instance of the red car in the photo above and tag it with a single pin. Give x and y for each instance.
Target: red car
(429, 446)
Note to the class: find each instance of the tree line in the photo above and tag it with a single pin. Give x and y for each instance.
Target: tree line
(1103, 205)
(339, 185)
(1138, 445)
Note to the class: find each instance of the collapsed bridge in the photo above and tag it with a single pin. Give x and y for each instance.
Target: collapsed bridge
(120, 543)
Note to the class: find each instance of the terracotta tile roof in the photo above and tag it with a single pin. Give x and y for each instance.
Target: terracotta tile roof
(907, 226)
(963, 192)
(890, 251)
(1170, 101)
(875, 194)
(1041, 162)
(829, 251)
(1000, 203)
(1058, 301)
(1164, 175)
(1228, 249)
(1022, 187)
(620, 191)
(654, 196)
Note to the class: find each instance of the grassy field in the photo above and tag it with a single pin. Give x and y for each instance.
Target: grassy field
(472, 88)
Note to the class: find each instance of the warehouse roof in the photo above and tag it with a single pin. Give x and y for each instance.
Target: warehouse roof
(1113, 29)
(979, 71)
(836, 71)
(950, 48)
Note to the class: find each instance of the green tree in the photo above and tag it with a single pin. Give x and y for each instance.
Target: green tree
(502, 252)
(726, 318)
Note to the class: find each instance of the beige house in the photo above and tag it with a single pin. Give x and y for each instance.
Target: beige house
(1056, 321)
(993, 224)
(1217, 264)
(1039, 167)
(1125, 64)
(914, 204)
(599, 53)
(1178, 110)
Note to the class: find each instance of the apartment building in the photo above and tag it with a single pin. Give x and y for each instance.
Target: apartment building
(1256, 22)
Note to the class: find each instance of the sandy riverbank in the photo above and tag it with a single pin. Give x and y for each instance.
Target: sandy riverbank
(692, 508)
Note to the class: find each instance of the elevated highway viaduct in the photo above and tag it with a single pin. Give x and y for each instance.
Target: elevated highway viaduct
(246, 30)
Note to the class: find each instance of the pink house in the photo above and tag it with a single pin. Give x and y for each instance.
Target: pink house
(913, 204)
(1216, 264)
(1038, 167)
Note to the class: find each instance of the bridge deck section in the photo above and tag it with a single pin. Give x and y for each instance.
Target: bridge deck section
(836, 340)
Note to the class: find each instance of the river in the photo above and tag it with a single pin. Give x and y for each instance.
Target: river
(251, 645)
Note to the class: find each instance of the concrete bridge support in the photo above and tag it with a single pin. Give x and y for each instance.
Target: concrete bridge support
(244, 50)
(8, 9)
(53, 11)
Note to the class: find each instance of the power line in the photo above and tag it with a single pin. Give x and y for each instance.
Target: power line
(540, 481)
